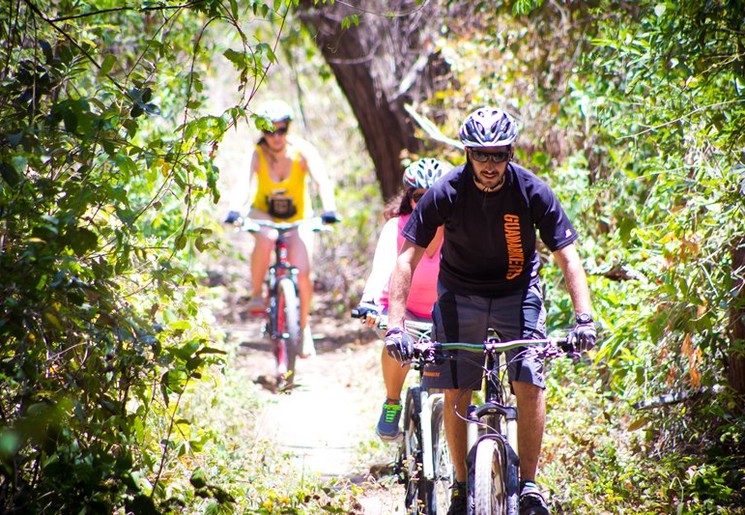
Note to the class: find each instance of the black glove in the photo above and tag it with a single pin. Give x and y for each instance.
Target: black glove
(584, 334)
(365, 309)
(329, 217)
(232, 217)
(399, 344)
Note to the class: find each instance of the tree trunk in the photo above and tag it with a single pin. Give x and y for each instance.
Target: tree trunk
(381, 64)
(736, 371)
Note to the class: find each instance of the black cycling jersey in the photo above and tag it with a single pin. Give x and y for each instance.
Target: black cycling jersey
(490, 238)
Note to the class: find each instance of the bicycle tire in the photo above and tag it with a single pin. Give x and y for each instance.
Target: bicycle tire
(487, 478)
(438, 500)
(416, 485)
(288, 331)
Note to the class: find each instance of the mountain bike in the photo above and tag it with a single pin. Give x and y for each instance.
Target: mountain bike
(423, 461)
(493, 465)
(283, 301)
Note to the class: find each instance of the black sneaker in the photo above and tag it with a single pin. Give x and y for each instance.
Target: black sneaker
(458, 499)
(531, 500)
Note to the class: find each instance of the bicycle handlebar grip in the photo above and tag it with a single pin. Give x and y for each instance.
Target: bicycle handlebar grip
(566, 345)
(330, 217)
(233, 217)
(363, 310)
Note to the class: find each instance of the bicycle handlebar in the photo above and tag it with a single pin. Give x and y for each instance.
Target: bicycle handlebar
(429, 351)
(254, 224)
(414, 328)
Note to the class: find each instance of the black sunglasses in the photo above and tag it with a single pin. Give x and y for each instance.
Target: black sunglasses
(280, 131)
(497, 157)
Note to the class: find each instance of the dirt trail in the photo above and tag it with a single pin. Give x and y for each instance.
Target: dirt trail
(327, 422)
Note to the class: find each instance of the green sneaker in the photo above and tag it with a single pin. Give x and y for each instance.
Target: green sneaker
(387, 428)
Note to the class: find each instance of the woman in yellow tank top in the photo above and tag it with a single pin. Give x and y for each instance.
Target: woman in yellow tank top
(280, 169)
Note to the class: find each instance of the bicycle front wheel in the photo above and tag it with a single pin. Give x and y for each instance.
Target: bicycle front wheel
(417, 486)
(288, 333)
(439, 500)
(488, 477)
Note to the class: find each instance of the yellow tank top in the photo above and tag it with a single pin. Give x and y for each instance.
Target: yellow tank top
(294, 187)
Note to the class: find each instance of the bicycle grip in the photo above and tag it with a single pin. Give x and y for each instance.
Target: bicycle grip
(363, 310)
(232, 217)
(566, 345)
(330, 217)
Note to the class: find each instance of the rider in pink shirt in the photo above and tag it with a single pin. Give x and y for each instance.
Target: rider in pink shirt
(423, 287)
(418, 178)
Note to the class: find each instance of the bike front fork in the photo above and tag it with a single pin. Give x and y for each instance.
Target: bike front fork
(481, 422)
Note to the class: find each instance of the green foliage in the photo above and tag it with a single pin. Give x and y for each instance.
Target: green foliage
(604, 457)
(688, 213)
(105, 161)
(633, 112)
(659, 85)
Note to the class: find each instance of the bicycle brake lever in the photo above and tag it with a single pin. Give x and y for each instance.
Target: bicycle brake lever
(574, 356)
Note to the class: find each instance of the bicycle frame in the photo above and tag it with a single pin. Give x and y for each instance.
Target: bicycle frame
(279, 269)
(427, 402)
(427, 480)
(283, 311)
(494, 407)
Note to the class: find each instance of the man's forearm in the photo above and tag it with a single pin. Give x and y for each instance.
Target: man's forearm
(575, 278)
(399, 292)
(579, 291)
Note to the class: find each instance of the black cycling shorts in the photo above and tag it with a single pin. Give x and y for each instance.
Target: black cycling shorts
(466, 319)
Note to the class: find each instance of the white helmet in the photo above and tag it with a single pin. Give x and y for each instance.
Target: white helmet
(276, 111)
(423, 173)
(488, 127)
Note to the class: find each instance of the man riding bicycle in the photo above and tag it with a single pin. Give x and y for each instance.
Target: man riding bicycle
(491, 209)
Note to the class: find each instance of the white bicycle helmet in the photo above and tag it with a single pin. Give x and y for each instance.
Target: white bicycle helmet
(423, 173)
(276, 111)
(488, 127)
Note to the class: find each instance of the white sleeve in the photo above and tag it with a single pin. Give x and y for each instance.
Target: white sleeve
(384, 261)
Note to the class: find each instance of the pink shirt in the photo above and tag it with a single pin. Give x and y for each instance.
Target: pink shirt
(423, 292)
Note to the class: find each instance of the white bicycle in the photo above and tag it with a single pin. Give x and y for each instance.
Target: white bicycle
(423, 461)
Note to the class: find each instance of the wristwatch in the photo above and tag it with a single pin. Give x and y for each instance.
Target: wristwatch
(583, 318)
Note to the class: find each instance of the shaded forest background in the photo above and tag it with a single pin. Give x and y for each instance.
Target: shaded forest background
(110, 206)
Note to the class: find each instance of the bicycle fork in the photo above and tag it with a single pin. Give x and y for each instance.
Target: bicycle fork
(425, 420)
(491, 412)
